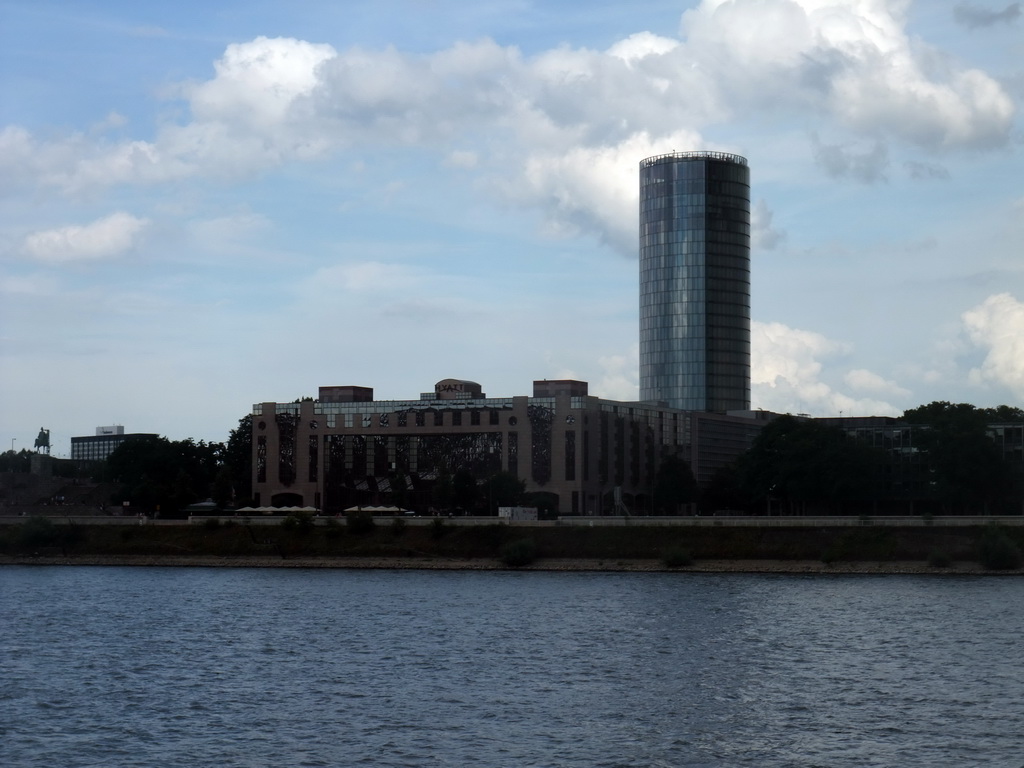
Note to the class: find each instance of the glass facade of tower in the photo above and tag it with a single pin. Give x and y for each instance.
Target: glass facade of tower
(695, 281)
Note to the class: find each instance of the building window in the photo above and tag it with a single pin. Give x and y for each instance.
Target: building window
(634, 453)
(602, 450)
(359, 456)
(570, 455)
(620, 450)
(287, 429)
(381, 460)
(402, 457)
(540, 447)
(513, 454)
(334, 462)
(261, 459)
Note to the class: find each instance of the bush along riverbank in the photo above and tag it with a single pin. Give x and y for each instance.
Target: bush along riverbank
(364, 540)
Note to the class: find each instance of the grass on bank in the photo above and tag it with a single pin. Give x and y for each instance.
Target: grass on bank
(518, 553)
(997, 551)
(994, 548)
(677, 557)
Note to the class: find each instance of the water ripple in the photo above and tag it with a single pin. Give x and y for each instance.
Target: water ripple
(221, 667)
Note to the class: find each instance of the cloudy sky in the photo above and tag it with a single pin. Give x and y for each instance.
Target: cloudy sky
(204, 205)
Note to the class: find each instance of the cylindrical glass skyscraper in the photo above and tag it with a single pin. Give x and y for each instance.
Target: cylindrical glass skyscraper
(695, 281)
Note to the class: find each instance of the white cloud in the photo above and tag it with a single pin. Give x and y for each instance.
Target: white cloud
(113, 120)
(562, 130)
(641, 45)
(230, 227)
(997, 326)
(838, 161)
(365, 280)
(763, 236)
(861, 380)
(462, 159)
(852, 60)
(592, 189)
(258, 83)
(619, 378)
(409, 298)
(612, 376)
(780, 353)
(786, 375)
(102, 239)
(34, 286)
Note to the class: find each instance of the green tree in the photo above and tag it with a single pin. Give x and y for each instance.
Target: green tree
(674, 485)
(36, 532)
(997, 551)
(159, 474)
(502, 489)
(464, 490)
(965, 466)
(360, 521)
(807, 466)
(518, 553)
(1004, 413)
(238, 460)
(222, 491)
(399, 490)
(724, 491)
(15, 461)
(443, 492)
(299, 522)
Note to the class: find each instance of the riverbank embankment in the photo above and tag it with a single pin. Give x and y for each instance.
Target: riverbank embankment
(440, 544)
(791, 567)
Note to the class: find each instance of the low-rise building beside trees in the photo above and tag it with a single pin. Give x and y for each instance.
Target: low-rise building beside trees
(106, 440)
(573, 453)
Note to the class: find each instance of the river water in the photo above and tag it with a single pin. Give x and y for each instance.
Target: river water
(265, 667)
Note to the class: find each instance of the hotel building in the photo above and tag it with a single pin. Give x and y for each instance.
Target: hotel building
(583, 454)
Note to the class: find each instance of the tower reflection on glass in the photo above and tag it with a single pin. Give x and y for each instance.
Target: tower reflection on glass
(695, 281)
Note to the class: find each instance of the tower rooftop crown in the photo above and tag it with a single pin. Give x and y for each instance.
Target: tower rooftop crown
(698, 155)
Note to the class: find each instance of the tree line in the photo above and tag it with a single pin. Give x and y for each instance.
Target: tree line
(945, 461)
(952, 465)
(155, 474)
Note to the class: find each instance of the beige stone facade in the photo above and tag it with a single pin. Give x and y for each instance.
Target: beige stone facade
(580, 454)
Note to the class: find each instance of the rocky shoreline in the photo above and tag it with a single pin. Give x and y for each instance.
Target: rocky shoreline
(486, 564)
